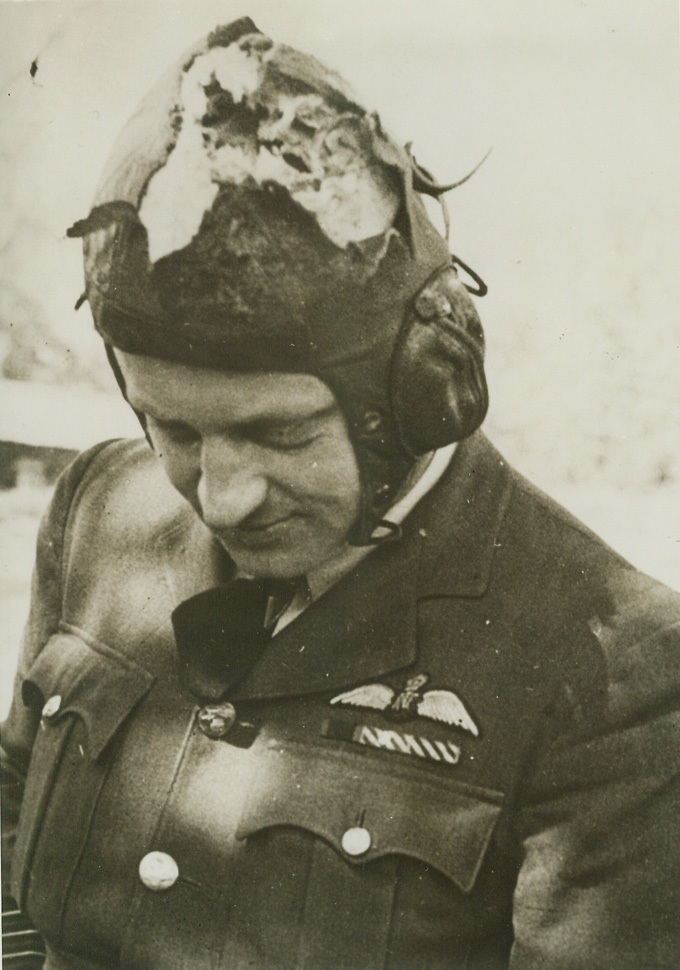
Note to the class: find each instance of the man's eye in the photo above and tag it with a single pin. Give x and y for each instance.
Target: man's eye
(288, 438)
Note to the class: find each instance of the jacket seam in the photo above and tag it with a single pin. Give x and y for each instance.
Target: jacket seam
(77, 489)
(101, 648)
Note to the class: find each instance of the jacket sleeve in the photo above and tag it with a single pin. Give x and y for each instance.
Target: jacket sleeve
(599, 886)
(19, 729)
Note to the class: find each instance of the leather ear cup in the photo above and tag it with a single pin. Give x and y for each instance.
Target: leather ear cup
(437, 381)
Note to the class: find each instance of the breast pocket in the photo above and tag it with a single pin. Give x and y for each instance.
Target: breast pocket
(367, 808)
(86, 696)
(391, 851)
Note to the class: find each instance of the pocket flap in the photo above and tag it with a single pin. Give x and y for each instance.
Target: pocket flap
(406, 810)
(100, 688)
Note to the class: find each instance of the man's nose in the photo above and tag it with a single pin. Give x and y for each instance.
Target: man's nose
(232, 484)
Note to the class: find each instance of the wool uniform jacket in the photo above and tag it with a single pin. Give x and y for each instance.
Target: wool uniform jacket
(170, 821)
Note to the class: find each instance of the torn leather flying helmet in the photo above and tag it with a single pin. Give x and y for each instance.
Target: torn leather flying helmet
(253, 216)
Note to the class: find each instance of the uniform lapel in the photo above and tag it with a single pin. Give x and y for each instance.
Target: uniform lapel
(361, 627)
(366, 625)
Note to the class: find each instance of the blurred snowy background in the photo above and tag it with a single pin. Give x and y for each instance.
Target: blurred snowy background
(573, 221)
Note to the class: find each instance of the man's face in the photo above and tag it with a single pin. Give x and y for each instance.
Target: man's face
(264, 459)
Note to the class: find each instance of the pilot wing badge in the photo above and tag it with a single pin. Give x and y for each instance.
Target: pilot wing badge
(436, 705)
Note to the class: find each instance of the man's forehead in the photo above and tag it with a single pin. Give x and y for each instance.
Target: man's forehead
(169, 389)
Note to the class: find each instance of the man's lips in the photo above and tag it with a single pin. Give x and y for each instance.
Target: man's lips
(260, 531)
(263, 526)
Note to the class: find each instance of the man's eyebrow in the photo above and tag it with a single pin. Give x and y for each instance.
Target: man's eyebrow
(260, 421)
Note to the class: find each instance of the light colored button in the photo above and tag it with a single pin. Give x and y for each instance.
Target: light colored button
(356, 841)
(158, 871)
(52, 706)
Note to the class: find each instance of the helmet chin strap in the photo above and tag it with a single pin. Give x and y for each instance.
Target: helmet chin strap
(120, 381)
(370, 531)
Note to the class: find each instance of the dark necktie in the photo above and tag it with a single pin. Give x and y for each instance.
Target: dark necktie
(220, 633)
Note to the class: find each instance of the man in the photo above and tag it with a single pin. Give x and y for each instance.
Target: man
(317, 680)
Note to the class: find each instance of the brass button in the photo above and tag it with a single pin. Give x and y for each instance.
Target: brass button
(52, 706)
(158, 871)
(356, 841)
(216, 720)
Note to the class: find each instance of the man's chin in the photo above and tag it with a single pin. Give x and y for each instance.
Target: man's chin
(269, 564)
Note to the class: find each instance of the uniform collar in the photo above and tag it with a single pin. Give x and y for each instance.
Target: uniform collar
(364, 626)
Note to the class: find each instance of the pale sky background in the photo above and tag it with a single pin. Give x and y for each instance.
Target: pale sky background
(573, 221)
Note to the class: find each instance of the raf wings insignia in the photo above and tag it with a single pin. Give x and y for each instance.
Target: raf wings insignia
(437, 705)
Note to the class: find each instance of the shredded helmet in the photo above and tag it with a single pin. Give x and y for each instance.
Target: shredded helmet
(253, 216)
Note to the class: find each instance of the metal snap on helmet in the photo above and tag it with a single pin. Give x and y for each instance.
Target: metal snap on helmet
(253, 216)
